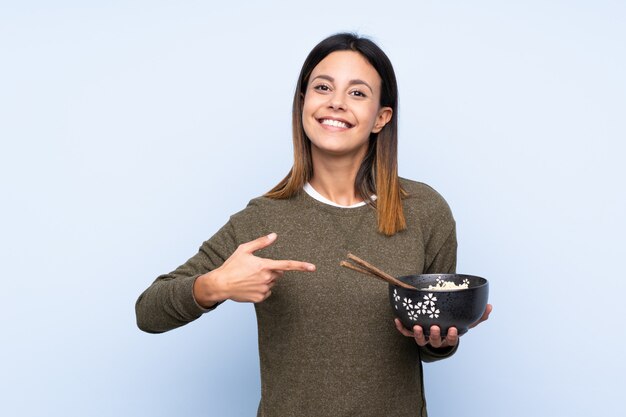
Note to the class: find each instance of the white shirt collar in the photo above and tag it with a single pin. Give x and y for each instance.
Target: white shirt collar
(313, 193)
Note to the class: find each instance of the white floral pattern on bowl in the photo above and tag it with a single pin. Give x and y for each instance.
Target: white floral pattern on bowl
(426, 307)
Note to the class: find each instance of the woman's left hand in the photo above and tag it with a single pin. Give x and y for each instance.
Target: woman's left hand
(435, 340)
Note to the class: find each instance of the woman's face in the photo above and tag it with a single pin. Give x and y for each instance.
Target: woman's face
(341, 105)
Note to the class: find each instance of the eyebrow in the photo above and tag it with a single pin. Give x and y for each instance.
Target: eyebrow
(352, 82)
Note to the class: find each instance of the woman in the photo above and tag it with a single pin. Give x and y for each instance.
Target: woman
(327, 344)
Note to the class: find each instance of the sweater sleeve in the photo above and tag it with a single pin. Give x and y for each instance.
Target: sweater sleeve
(444, 262)
(431, 354)
(441, 254)
(444, 259)
(168, 302)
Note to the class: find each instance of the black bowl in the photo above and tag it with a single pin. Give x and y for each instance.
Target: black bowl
(445, 308)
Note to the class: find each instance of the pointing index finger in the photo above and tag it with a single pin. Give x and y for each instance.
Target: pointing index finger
(287, 265)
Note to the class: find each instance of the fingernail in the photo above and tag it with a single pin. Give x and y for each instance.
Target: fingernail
(310, 267)
(271, 236)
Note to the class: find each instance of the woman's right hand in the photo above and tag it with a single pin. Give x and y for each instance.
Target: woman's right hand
(244, 277)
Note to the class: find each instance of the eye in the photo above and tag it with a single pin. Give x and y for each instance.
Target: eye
(321, 87)
(358, 93)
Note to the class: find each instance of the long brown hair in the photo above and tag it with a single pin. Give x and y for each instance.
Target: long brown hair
(378, 173)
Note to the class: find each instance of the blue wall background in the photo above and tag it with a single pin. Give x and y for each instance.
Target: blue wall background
(131, 130)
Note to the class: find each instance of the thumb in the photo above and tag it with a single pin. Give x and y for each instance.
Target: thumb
(260, 243)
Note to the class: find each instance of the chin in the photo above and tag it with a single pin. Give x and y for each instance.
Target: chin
(335, 151)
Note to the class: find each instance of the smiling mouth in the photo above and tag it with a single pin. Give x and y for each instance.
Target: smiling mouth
(335, 123)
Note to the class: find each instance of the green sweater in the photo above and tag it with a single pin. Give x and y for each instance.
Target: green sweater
(327, 342)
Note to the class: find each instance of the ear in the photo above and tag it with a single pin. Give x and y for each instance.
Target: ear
(384, 115)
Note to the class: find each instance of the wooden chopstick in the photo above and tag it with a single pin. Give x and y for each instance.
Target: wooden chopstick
(358, 269)
(369, 269)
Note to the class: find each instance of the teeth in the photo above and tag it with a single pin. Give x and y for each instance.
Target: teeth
(334, 123)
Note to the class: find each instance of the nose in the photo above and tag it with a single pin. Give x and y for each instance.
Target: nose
(336, 102)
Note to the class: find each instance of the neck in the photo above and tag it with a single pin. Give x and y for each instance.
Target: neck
(334, 178)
